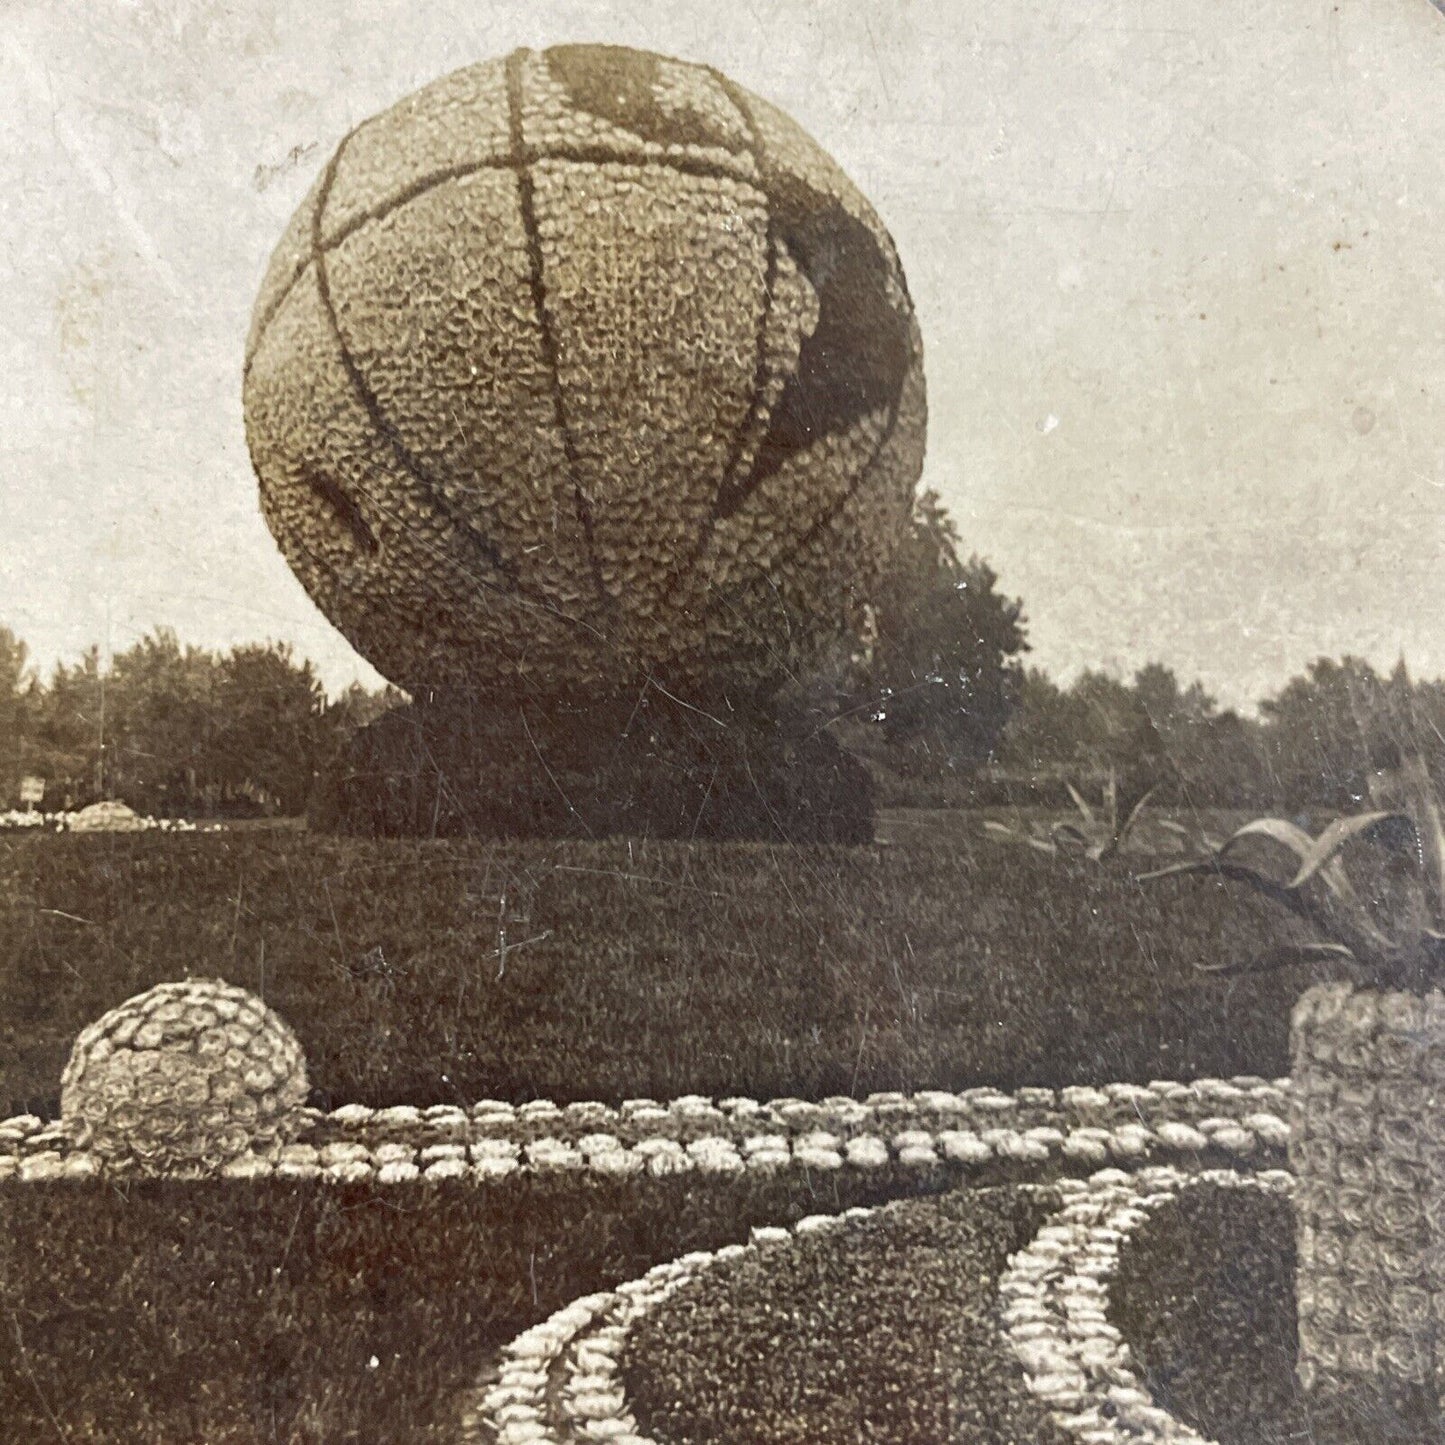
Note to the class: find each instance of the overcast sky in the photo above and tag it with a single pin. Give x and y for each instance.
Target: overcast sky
(1178, 270)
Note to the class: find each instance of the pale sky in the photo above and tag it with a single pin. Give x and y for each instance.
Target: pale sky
(1178, 268)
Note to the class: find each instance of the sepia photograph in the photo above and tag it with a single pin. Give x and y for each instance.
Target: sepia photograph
(722, 724)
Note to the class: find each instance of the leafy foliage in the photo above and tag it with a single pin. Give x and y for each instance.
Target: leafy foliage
(939, 670)
(1099, 834)
(1319, 743)
(1151, 731)
(1331, 732)
(171, 728)
(1391, 929)
(17, 702)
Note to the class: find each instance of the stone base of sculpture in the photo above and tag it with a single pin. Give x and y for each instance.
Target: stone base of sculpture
(610, 767)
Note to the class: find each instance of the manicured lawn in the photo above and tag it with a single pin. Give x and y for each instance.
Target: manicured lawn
(441, 973)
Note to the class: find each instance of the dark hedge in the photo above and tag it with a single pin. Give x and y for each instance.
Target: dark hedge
(444, 972)
(636, 768)
(886, 1331)
(169, 1313)
(1205, 1298)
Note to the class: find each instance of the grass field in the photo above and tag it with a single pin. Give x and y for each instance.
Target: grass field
(440, 973)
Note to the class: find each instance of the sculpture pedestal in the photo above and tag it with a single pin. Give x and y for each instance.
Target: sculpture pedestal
(613, 766)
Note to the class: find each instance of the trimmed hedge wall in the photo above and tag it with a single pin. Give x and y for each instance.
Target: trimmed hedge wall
(441, 973)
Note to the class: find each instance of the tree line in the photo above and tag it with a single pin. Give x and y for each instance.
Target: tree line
(941, 700)
(173, 729)
(931, 687)
(1321, 741)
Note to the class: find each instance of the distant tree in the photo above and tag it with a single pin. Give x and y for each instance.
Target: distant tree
(17, 704)
(1170, 709)
(1207, 757)
(70, 731)
(271, 727)
(161, 722)
(355, 706)
(174, 728)
(1170, 724)
(1225, 765)
(1118, 730)
(1046, 729)
(942, 667)
(1150, 731)
(1323, 730)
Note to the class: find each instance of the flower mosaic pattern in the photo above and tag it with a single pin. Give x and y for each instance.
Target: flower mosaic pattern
(182, 1079)
(1054, 1298)
(201, 1078)
(583, 366)
(1371, 1196)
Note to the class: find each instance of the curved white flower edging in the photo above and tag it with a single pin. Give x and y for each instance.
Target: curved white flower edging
(1207, 1120)
(559, 1383)
(1054, 1297)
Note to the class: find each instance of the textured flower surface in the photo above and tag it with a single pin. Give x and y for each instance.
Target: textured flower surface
(184, 1076)
(582, 366)
(1365, 1144)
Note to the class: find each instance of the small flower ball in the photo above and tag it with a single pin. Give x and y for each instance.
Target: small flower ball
(184, 1076)
(582, 367)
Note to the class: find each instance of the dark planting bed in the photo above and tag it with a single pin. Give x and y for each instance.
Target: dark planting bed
(882, 1331)
(235, 1313)
(1205, 1299)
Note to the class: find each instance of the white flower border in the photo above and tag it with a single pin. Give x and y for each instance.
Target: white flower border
(1054, 1297)
(1207, 1120)
(559, 1383)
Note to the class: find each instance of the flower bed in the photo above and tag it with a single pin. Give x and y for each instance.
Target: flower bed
(873, 1328)
(981, 1316)
(299, 1269)
(1205, 1299)
(1055, 1298)
(232, 1312)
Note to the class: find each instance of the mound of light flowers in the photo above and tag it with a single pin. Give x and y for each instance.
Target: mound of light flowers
(186, 1076)
(98, 818)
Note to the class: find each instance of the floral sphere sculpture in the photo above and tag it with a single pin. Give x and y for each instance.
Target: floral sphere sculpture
(184, 1076)
(581, 367)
